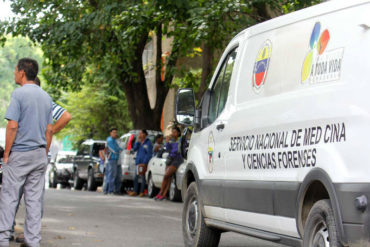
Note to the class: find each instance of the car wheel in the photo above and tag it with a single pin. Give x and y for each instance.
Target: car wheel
(320, 229)
(53, 179)
(91, 185)
(174, 193)
(194, 229)
(77, 181)
(152, 190)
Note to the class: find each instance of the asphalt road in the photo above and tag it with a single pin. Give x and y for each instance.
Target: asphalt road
(80, 218)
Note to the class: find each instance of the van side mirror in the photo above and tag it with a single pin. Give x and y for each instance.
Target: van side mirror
(185, 107)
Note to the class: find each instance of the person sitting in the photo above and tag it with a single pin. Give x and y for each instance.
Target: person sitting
(174, 160)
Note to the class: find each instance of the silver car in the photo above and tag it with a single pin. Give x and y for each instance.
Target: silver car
(128, 156)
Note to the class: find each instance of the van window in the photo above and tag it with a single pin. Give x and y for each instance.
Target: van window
(221, 87)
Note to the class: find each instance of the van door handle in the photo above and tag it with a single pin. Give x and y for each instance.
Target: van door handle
(220, 126)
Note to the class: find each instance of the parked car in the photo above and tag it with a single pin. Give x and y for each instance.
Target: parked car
(86, 165)
(157, 166)
(154, 177)
(61, 169)
(127, 157)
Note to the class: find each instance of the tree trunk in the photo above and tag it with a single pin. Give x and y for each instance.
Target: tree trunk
(142, 116)
(207, 64)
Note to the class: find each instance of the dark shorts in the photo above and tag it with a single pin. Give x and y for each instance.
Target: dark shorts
(176, 162)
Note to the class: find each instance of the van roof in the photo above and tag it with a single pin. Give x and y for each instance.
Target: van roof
(317, 10)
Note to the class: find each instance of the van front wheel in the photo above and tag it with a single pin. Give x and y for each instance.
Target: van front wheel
(195, 231)
(320, 229)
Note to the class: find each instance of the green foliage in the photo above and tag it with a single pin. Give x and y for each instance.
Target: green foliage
(189, 79)
(94, 111)
(101, 42)
(216, 22)
(13, 50)
(288, 6)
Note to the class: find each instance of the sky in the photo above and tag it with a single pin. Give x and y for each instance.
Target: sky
(5, 11)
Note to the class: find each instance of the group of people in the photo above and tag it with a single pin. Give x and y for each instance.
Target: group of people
(145, 150)
(28, 137)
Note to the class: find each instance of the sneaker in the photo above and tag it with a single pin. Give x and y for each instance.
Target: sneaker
(161, 198)
(133, 193)
(141, 195)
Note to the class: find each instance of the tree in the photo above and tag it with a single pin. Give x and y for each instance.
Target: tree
(13, 50)
(103, 41)
(95, 110)
(99, 42)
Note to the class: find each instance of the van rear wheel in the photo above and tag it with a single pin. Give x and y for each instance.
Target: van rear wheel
(320, 229)
(196, 233)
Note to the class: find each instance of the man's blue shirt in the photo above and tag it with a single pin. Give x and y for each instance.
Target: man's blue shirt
(144, 151)
(113, 148)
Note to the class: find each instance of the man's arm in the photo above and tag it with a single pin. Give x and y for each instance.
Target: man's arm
(49, 136)
(11, 132)
(62, 122)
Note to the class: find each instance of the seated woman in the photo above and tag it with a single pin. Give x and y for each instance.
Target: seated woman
(174, 160)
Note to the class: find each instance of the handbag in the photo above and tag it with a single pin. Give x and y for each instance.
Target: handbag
(141, 169)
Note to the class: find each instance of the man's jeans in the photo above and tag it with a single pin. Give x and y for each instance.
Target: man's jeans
(136, 182)
(118, 179)
(111, 176)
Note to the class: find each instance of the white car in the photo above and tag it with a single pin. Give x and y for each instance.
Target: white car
(61, 169)
(154, 177)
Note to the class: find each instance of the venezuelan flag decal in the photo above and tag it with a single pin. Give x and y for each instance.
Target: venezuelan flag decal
(261, 65)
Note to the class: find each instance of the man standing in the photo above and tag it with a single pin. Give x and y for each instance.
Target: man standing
(28, 137)
(113, 156)
(62, 118)
(144, 152)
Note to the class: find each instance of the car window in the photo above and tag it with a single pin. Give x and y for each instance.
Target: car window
(65, 159)
(151, 138)
(84, 150)
(221, 87)
(96, 148)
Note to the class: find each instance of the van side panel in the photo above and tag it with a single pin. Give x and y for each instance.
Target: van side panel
(297, 121)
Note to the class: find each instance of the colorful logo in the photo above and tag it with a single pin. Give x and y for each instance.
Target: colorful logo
(261, 66)
(211, 147)
(317, 46)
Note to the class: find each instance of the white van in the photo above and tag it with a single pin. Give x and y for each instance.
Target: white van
(281, 144)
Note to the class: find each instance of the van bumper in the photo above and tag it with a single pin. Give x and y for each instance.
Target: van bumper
(355, 216)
